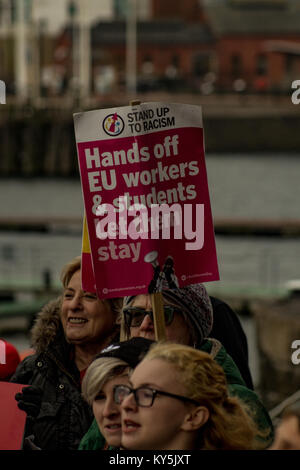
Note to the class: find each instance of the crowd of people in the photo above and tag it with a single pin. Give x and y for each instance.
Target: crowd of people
(98, 379)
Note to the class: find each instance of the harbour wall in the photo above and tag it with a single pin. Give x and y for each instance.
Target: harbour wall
(41, 142)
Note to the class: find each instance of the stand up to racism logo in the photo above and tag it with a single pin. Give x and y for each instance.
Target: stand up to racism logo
(113, 124)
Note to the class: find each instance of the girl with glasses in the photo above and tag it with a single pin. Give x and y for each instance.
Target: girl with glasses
(178, 400)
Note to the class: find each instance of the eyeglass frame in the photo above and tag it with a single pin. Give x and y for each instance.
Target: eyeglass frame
(126, 314)
(154, 395)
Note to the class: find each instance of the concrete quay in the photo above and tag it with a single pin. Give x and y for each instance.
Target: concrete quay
(43, 142)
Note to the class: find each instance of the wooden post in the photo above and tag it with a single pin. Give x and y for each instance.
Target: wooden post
(158, 316)
(134, 102)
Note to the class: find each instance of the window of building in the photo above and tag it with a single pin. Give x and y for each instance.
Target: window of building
(175, 61)
(13, 8)
(201, 64)
(236, 66)
(261, 65)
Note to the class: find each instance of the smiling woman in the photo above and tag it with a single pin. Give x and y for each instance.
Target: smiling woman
(87, 321)
(67, 334)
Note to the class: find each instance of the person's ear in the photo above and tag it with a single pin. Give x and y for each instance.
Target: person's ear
(195, 419)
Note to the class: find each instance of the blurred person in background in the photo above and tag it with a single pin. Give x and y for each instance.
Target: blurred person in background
(178, 399)
(287, 433)
(67, 334)
(9, 360)
(110, 368)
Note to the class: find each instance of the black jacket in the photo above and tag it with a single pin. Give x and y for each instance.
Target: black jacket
(64, 416)
(228, 330)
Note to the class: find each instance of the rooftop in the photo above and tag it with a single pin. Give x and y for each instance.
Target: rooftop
(152, 32)
(253, 16)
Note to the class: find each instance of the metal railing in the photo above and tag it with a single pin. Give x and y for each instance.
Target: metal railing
(29, 261)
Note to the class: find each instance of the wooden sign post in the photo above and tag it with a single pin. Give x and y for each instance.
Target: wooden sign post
(158, 316)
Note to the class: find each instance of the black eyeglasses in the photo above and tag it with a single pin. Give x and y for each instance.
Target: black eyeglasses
(144, 396)
(134, 316)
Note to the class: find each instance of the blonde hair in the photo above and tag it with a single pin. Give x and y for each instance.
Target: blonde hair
(229, 425)
(98, 373)
(69, 269)
(74, 265)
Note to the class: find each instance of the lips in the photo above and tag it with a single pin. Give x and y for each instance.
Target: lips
(113, 427)
(129, 426)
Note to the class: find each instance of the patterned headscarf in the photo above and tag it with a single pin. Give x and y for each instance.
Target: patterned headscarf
(195, 304)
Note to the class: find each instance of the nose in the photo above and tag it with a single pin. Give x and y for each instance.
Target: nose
(76, 302)
(129, 403)
(110, 408)
(147, 324)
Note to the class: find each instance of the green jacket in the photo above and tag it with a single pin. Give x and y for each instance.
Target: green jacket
(93, 439)
(238, 388)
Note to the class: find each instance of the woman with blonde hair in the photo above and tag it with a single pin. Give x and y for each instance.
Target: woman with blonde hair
(109, 368)
(178, 400)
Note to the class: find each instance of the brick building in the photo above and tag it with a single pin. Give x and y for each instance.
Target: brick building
(231, 44)
(175, 48)
(257, 41)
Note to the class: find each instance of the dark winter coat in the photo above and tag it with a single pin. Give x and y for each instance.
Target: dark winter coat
(64, 416)
(228, 330)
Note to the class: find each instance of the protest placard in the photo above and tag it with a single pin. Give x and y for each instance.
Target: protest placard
(146, 197)
(13, 419)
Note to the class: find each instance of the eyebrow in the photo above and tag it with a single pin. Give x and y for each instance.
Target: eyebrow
(84, 291)
(147, 385)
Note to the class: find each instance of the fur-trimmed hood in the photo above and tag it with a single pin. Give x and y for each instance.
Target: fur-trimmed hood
(48, 329)
(46, 326)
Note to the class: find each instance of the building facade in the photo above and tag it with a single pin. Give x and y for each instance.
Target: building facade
(257, 42)
(56, 46)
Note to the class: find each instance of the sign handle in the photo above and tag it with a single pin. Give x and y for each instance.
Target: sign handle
(134, 102)
(158, 316)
